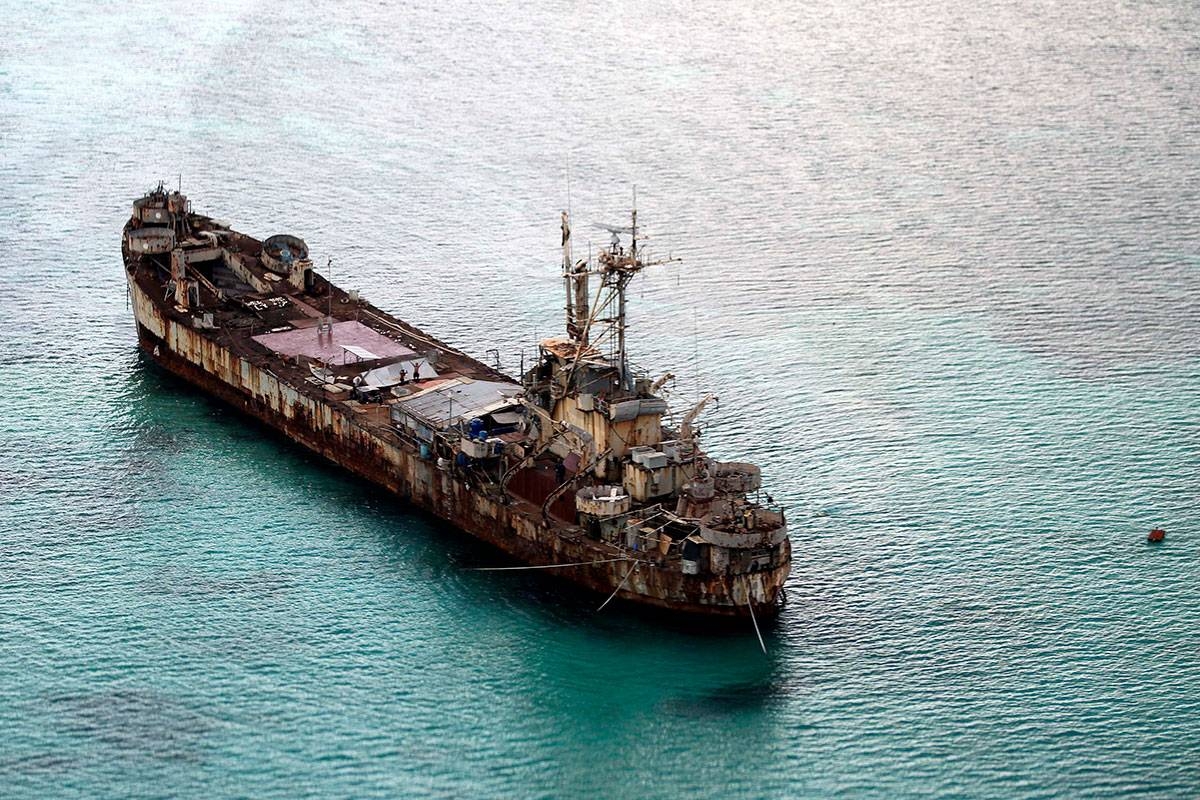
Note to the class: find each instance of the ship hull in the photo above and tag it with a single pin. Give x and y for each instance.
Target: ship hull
(328, 430)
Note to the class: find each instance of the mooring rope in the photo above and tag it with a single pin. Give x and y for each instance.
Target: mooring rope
(628, 572)
(757, 632)
(549, 566)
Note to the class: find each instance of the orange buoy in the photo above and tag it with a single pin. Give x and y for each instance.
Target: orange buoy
(1156, 535)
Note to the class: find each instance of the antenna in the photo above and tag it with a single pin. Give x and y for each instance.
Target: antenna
(329, 282)
(633, 225)
(615, 267)
(570, 283)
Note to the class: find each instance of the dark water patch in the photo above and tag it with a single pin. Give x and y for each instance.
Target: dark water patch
(176, 582)
(158, 439)
(729, 700)
(134, 723)
(41, 764)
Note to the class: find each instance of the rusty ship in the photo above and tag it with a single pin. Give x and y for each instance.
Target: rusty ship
(577, 466)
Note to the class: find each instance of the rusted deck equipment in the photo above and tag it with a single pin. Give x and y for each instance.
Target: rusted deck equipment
(570, 465)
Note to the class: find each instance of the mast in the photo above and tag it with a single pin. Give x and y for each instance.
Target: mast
(636, 265)
(605, 323)
(575, 282)
(581, 302)
(566, 269)
(622, 361)
(633, 225)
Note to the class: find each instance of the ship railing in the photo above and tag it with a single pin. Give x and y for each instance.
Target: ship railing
(660, 518)
(637, 371)
(772, 507)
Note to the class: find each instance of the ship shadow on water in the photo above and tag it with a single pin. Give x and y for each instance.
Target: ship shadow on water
(730, 699)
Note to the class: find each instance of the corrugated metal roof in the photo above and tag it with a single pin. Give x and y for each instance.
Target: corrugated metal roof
(459, 399)
(362, 353)
(390, 374)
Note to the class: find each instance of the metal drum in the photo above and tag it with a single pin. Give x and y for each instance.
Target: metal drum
(281, 251)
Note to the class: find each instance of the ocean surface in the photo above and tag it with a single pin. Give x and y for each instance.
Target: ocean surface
(940, 262)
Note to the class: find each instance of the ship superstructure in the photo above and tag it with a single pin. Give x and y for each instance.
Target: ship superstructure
(571, 466)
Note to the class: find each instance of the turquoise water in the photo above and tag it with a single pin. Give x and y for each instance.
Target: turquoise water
(940, 265)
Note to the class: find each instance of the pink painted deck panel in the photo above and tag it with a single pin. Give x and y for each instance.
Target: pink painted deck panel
(305, 342)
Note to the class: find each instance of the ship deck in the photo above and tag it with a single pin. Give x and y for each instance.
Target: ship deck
(318, 340)
(280, 329)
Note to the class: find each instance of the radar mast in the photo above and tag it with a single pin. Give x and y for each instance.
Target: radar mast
(604, 321)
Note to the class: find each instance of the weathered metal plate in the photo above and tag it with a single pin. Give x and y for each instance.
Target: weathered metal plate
(306, 342)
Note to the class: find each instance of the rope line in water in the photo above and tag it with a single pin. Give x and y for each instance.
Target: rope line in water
(750, 605)
(548, 566)
(628, 572)
(620, 586)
